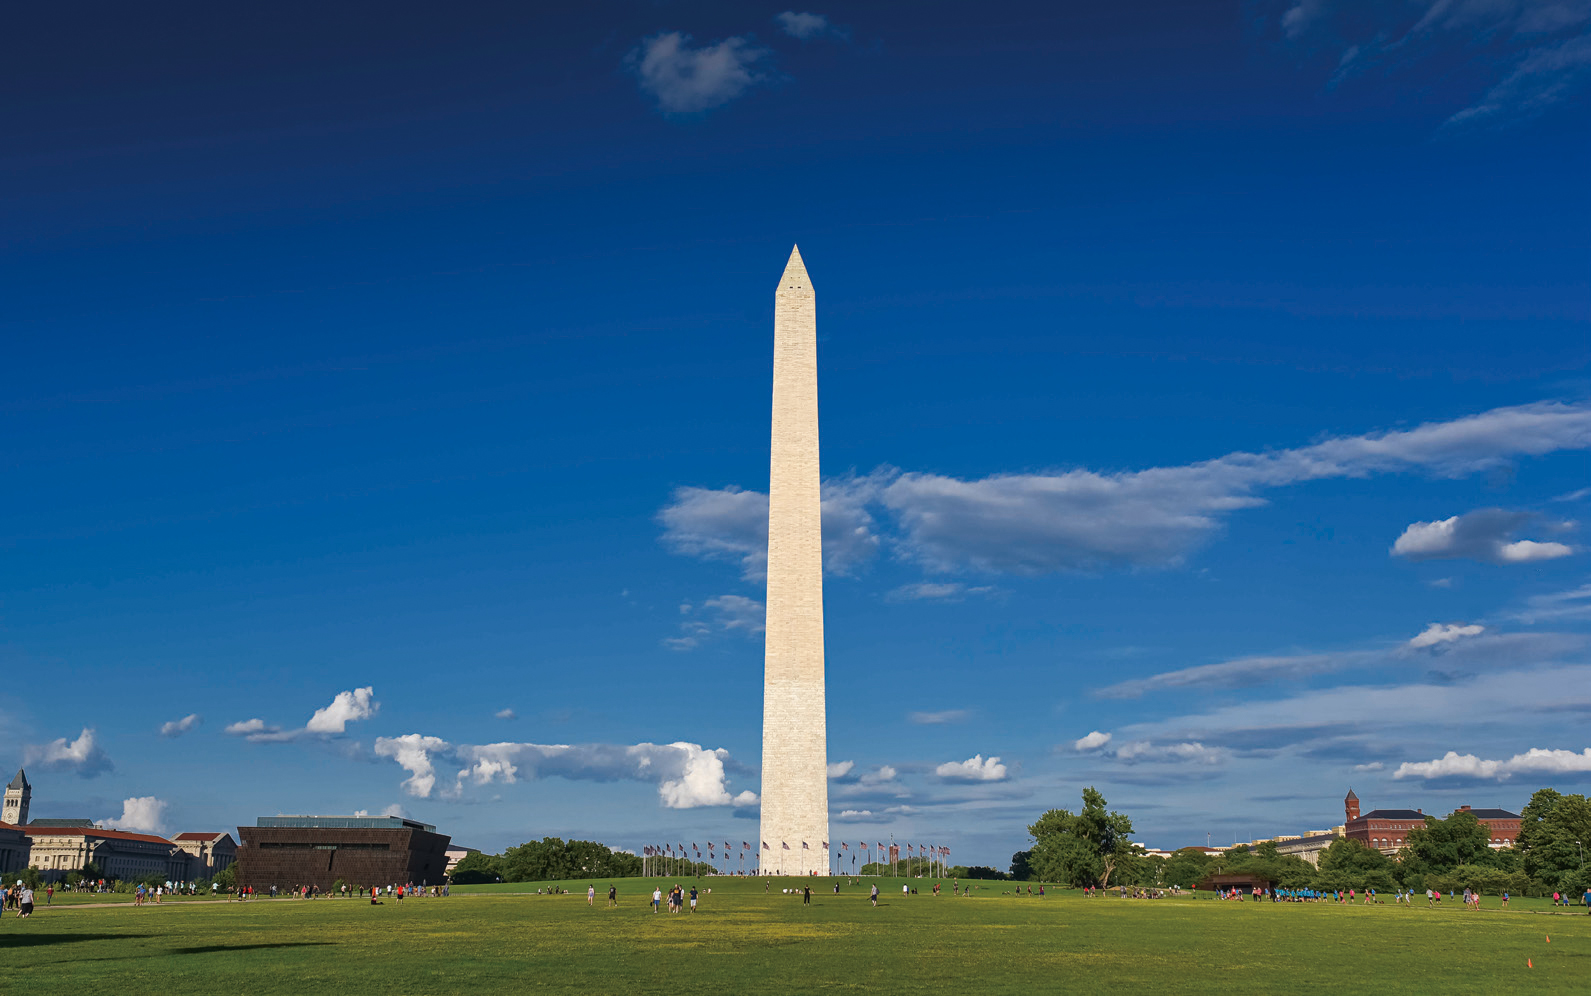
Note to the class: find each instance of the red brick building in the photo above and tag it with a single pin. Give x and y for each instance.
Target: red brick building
(1387, 830)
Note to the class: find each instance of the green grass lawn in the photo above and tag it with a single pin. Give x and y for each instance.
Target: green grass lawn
(487, 940)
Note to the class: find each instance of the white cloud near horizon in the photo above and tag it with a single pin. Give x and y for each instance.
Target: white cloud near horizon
(177, 727)
(725, 614)
(1572, 604)
(686, 775)
(1084, 520)
(141, 814)
(1536, 761)
(687, 79)
(83, 756)
(976, 768)
(1484, 535)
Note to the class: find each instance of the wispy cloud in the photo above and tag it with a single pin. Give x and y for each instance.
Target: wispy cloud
(807, 26)
(1572, 604)
(1084, 520)
(506, 714)
(177, 727)
(83, 756)
(937, 591)
(722, 614)
(1465, 647)
(1484, 534)
(687, 775)
(688, 79)
(938, 718)
(1536, 53)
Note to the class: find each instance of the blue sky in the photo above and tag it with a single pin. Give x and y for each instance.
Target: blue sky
(1204, 388)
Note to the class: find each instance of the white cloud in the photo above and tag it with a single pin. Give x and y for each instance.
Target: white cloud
(329, 721)
(687, 775)
(346, 708)
(177, 727)
(727, 614)
(1546, 75)
(1089, 520)
(737, 612)
(392, 810)
(861, 816)
(413, 753)
(250, 727)
(1437, 634)
(685, 80)
(941, 718)
(1093, 741)
(732, 524)
(976, 768)
(1372, 766)
(839, 769)
(141, 814)
(747, 799)
(1479, 535)
(83, 756)
(883, 774)
(1536, 761)
(803, 26)
(506, 714)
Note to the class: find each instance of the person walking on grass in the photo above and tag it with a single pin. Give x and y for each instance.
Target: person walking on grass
(657, 898)
(874, 897)
(806, 896)
(693, 899)
(613, 896)
(27, 904)
(591, 896)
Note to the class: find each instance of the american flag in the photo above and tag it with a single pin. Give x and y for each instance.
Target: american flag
(844, 846)
(825, 845)
(804, 846)
(746, 847)
(765, 846)
(784, 845)
(880, 845)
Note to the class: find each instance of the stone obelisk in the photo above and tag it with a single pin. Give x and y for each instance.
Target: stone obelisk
(795, 786)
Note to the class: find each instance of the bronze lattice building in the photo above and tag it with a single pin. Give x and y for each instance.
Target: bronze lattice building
(291, 851)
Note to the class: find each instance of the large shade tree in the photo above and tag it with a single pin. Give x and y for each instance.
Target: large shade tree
(1082, 848)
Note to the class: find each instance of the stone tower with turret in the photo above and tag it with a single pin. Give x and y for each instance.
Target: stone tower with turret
(18, 794)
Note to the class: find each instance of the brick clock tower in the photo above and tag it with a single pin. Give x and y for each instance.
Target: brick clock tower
(1350, 806)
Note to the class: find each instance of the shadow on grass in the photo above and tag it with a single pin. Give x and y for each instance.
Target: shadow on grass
(212, 948)
(39, 940)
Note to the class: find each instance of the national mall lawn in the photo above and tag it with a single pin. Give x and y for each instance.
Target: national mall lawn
(507, 939)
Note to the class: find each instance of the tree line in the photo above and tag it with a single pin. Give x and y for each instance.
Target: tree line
(1094, 847)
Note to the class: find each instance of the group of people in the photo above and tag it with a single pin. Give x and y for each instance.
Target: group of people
(18, 897)
(676, 898)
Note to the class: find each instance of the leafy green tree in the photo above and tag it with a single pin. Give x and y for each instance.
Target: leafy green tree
(1187, 867)
(1082, 848)
(1349, 864)
(1442, 845)
(226, 878)
(1553, 837)
(1021, 867)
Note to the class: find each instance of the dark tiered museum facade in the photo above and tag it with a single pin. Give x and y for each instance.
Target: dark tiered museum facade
(361, 851)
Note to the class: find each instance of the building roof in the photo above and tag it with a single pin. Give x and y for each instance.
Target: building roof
(1350, 795)
(1303, 843)
(212, 836)
(38, 831)
(1492, 814)
(344, 823)
(1392, 814)
(19, 781)
(62, 823)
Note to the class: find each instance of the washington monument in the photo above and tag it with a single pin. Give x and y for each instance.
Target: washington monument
(795, 787)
